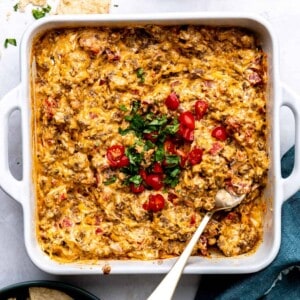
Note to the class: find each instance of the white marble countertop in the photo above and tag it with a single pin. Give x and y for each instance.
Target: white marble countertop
(15, 265)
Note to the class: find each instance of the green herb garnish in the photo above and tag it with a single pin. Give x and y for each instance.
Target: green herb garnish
(134, 157)
(151, 131)
(159, 154)
(172, 160)
(136, 180)
(123, 107)
(12, 42)
(16, 6)
(39, 13)
(148, 145)
(141, 74)
(110, 180)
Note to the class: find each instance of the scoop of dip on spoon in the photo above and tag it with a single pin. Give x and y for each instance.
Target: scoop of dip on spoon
(165, 290)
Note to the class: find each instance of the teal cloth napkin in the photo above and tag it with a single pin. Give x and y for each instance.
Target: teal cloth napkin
(281, 279)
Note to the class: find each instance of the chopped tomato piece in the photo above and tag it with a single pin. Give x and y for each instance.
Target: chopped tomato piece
(187, 119)
(172, 101)
(186, 133)
(219, 133)
(172, 197)
(183, 159)
(116, 156)
(124, 162)
(195, 156)
(157, 168)
(201, 107)
(143, 174)
(169, 146)
(136, 189)
(155, 181)
(155, 203)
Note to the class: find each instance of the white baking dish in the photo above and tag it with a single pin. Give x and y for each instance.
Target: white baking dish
(278, 190)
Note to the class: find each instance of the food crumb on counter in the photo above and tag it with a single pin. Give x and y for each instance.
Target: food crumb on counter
(23, 4)
(83, 7)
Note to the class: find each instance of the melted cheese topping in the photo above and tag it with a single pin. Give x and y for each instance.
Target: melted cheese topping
(83, 77)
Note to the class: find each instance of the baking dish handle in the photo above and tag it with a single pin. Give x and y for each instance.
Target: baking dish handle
(291, 184)
(8, 182)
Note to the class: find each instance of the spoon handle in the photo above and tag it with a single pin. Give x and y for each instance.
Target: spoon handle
(166, 288)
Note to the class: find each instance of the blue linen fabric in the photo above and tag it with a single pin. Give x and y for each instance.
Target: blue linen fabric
(281, 279)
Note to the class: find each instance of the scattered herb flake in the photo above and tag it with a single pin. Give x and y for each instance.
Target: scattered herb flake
(123, 107)
(136, 179)
(16, 7)
(140, 74)
(47, 9)
(135, 158)
(135, 106)
(159, 154)
(12, 42)
(39, 13)
(172, 160)
(110, 180)
(148, 145)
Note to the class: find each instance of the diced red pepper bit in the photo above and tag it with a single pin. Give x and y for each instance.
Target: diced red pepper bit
(63, 196)
(102, 81)
(98, 230)
(193, 219)
(216, 148)
(172, 197)
(93, 115)
(66, 222)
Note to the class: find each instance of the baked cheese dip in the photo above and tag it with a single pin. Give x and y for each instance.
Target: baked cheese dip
(135, 129)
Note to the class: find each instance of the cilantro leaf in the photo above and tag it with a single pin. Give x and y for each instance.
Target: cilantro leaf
(137, 124)
(159, 154)
(136, 179)
(16, 6)
(110, 180)
(135, 106)
(159, 121)
(171, 129)
(172, 160)
(39, 13)
(12, 42)
(148, 145)
(134, 157)
(123, 131)
(140, 74)
(123, 107)
(170, 181)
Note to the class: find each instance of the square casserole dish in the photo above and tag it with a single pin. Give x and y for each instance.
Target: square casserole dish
(278, 189)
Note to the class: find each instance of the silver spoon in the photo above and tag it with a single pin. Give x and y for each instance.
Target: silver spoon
(166, 288)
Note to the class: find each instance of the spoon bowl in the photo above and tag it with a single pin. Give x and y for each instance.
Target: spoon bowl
(165, 290)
